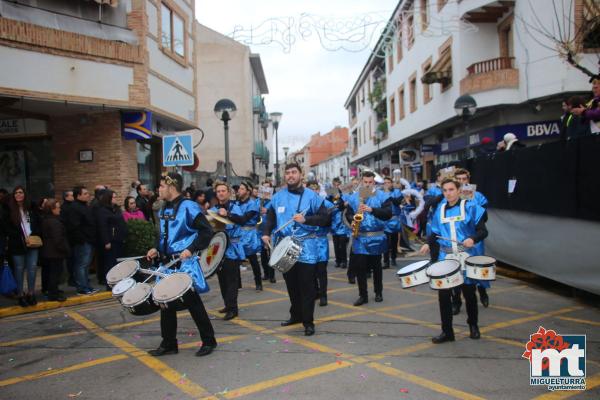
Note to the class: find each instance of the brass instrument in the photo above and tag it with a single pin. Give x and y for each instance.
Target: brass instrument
(363, 194)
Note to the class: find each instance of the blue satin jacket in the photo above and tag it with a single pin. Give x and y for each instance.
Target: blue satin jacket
(394, 224)
(322, 239)
(370, 245)
(249, 238)
(235, 250)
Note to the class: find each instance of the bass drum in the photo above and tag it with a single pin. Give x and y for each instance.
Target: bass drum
(211, 258)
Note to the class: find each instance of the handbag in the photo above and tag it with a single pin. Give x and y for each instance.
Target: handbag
(7, 281)
(34, 242)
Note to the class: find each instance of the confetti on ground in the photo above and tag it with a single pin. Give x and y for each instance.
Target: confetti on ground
(271, 341)
(285, 389)
(364, 376)
(286, 351)
(372, 334)
(75, 394)
(338, 354)
(403, 390)
(351, 342)
(286, 341)
(211, 366)
(136, 336)
(258, 364)
(11, 359)
(339, 362)
(49, 369)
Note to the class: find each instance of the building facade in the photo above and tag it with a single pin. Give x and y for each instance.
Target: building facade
(72, 71)
(337, 166)
(434, 52)
(227, 69)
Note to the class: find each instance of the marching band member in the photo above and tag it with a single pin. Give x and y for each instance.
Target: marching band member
(307, 210)
(184, 230)
(339, 231)
(464, 178)
(350, 272)
(229, 274)
(268, 271)
(250, 240)
(393, 225)
(464, 222)
(323, 251)
(371, 242)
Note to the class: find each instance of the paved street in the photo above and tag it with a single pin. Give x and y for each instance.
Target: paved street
(377, 351)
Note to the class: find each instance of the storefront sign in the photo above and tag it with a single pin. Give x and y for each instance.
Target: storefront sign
(137, 125)
(22, 127)
(409, 156)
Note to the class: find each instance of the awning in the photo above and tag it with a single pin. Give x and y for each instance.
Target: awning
(441, 71)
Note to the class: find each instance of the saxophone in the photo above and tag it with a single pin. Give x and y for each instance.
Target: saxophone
(357, 219)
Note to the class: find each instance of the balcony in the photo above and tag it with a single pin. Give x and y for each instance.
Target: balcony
(490, 74)
(258, 105)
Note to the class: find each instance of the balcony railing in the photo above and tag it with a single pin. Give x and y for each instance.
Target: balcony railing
(495, 64)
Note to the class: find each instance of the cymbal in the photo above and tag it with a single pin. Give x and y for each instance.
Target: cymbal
(216, 216)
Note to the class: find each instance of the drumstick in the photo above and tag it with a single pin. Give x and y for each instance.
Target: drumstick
(455, 241)
(129, 258)
(289, 222)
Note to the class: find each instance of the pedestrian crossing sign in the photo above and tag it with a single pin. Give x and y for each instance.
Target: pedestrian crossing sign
(178, 151)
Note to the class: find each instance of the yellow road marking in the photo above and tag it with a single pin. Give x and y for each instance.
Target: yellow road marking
(57, 371)
(522, 320)
(162, 369)
(590, 383)
(282, 380)
(40, 338)
(275, 291)
(426, 383)
(581, 321)
(505, 341)
(513, 310)
(133, 323)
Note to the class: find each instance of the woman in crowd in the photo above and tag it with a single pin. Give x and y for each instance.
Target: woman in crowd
(23, 228)
(55, 249)
(131, 210)
(111, 228)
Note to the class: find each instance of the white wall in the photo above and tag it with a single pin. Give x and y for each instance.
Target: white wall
(171, 99)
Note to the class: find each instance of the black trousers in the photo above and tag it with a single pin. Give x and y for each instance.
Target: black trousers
(446, 307)
(45, 264)
(229, 281)
(456, 300)
(54, 266)
(362, 263)
(351, 272)
(340, 243)
(300, 283)
(392, 239)
(268, 271)
(321, 279)
(255, 268)
(168, 322)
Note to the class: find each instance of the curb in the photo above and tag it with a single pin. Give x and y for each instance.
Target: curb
(51, 305)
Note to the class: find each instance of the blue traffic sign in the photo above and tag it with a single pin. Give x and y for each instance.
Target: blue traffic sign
(178, 151)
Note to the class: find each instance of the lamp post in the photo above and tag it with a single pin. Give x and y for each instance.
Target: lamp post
(465, 107)
(225, 110)
(276, 117)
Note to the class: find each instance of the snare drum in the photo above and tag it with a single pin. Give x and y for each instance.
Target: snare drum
(173, 291)
(137, 300)
(481, 267)
(460, 257)
(445, 274)
(413, 274)
(285, 254)
(120, 288)
(122, 270)
(211, 258)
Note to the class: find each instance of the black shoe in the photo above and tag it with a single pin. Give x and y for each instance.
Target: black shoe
(323, 301)
(290, 322)
(455, 309)
(443, 337)
(163, 351)
(222, 310)
(205, 350)
(385, 266)
(343, 266)
(352, 281)
(31, 300)
(23, 302)
(378, 298)
(485, 301)
(309, 330)
(264, 278)
(360, 301)
(259, 287)
(394, 263)
(230, 315)
(273, 280)
(337, 265)
(474, 329)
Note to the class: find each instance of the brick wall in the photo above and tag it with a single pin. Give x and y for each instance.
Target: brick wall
(114, 163)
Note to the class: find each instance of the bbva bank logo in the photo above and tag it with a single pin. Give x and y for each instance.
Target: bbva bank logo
(556, 361)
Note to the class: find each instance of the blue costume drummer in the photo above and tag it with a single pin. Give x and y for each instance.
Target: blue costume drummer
(393, 225)
(305, 210)
(371, 242)
(463, 222)
(339, 231)
(264, 204)
(251, 243)
(184, 230)
(229, 273)
(323, 252)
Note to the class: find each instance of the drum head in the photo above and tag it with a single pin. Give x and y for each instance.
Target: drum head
(172, 287)
(136, 295)
(280, 250)
(123, 286)
(122, 270)
(412, 267)
(211, 257)
(481, 260)
(443, 268)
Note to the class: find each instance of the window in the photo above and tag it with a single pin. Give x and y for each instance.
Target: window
(392, 110)
(505, 37)
(401, 103)
(172, 37)
(399, 45)
(390, 60)
(410, 26)
(412, 88)
(426, 88)
(424, 14)
(446, 51)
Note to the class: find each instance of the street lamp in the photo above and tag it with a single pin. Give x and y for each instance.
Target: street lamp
(465, 107)
(276, 117)
(225, 110)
